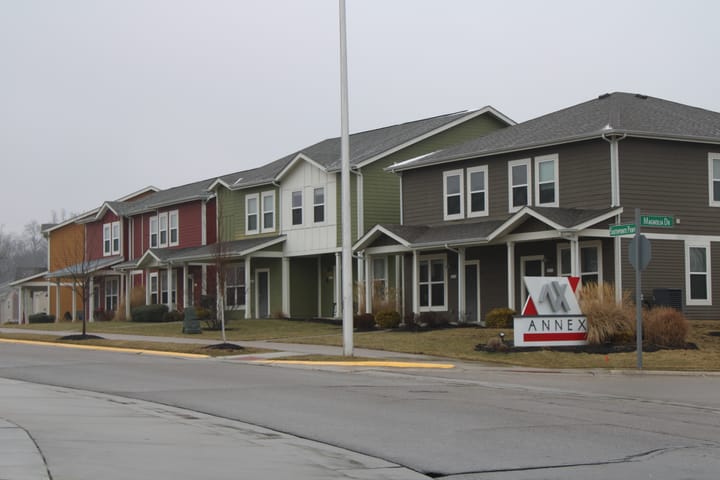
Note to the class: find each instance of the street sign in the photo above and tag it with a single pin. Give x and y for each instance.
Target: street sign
(623, 229)
(645, 252)
(663, 221)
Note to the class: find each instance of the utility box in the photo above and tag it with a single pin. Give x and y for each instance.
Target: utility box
(191, 324)
(668, 297)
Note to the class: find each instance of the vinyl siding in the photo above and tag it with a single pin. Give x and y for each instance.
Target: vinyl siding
(303, 287)
(231, 213)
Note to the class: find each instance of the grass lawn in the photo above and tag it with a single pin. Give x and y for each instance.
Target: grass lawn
(457, 343)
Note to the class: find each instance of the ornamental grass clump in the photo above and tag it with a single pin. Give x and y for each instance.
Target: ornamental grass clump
(500, 318)
(608, 321)
(665, 327)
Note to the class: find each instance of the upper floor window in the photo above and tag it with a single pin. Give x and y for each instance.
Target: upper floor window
(519, 184)
(477, 191)
(697, 271)
(714, 179)
(432, 281)
(453, 194)
(251, 213)
(268, 208)
(111, 238)
(174, 228)
(319, 205)
(297, 206)
(546, 180)
(153, 232)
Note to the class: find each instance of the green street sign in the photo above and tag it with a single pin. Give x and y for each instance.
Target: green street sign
(623, 229)
(663, 221)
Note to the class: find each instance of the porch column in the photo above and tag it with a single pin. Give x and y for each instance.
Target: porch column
(398, 283)
(21, 306)
(574, 257)
(169, 288)
(147, 287)
(319, 285)
(128, 291)
(203, 280)
(74, 300)
(461, 284)
(186, 273)
(57, 300)
(338, 286)
(415, 302)
(286, 286)
(617, 258)
(511, 274)
(248, 288)
(91, 303)
(369, 275)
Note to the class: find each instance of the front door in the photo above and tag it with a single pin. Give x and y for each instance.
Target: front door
(530, 267)
(262, 282)
(472, 292)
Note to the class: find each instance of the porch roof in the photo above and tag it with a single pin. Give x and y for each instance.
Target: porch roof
(86, 267)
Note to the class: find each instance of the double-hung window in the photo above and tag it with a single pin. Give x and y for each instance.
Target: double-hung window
(154, 293)
(154, 232)
(268, 210)
(453, 195)
(164, 287)
(251, 213)
(235, 286)
(714, 179)
(174, 228)
(111, 294)
(546, 180)
(296, 207)
(432, 281)
(319, 205)
(590, 261)
(115, 236)
(379, 271)
(107, 242)
(519, 184)
(163, 222)
(697, 270)
(477, 191)
(111, 239)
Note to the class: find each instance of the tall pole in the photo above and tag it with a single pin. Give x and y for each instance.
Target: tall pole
(347, 277)
(638, 295)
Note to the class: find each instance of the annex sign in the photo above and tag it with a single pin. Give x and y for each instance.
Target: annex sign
(551, 316)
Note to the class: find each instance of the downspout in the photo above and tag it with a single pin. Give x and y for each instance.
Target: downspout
(615, 202)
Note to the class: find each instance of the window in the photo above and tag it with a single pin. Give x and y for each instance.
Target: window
(153, 232)
(590, 262)
(251, 213)
(714, 179)
(235, 286)
(154, 296)
(115, 238)
(174, 228)
(453, 194)
(546, 175)
(164, 287)
(697, 282)
(319, 205)
(111, 294)
(379, 271)
(163, 221)
(297, 205)
(107, 247)
(519, 182)
(477, 191)
(431, 283)
(268, 208)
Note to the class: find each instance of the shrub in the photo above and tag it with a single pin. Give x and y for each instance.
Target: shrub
(665, 326)
(500, 318)
(102, 315)
(174, 316)
(433, 320)
(388, 319)
(364, 321)
(149, 313)
(608, 321)
(41, 317)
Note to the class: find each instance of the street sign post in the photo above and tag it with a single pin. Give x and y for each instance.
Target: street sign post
(622, 229)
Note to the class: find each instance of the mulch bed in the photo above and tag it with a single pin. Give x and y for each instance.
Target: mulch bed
(596, 349)
(224, 346)
(80, 336)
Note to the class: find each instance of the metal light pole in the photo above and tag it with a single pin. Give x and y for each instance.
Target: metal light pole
(347, 276)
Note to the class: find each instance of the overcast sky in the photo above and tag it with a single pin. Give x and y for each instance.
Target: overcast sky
(99, 98)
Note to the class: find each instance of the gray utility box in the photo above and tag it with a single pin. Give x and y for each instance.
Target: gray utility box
(668, 297)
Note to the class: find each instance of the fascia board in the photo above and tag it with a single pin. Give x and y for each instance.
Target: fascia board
(599, 218)
(375, 232)
(298, 158)
(20, 281)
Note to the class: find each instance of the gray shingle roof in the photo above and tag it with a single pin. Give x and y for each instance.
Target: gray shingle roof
(617, 113)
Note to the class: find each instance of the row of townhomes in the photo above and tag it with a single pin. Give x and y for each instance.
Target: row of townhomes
(448, 215)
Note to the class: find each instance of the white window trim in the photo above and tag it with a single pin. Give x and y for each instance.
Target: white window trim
(429, 259)
(461, 194)
(547, 158)
(597, 244)
(263, 196)
(300, 208)
(239, 282)
(174, 215)
(109, 293)
(154, 230)
(481, 213)
(154, 275)
(107, 239)
(708, 272)
(511, 164)
(711, 180)
(163, 218)
(324, 205)
(256, 197)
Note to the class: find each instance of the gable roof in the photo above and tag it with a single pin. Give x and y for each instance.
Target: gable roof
(612, 114)
(485, 231)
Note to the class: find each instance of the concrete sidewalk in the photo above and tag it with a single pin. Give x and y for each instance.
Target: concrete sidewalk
(57, 433)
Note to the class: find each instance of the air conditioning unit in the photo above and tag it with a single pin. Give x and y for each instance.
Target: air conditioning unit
(668, 297)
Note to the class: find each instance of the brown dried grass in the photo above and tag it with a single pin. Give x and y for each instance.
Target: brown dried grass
(666, 327)
(608, 321)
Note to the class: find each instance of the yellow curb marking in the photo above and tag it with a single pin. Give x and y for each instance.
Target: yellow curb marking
(110, 349)
(360, 364)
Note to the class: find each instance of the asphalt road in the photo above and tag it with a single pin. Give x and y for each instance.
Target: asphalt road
(468, 423)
